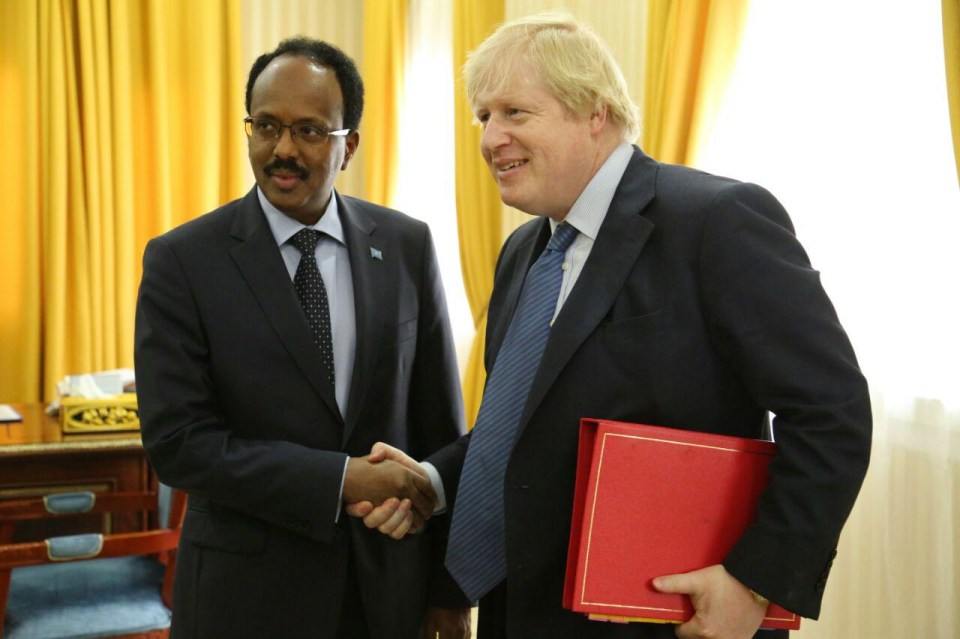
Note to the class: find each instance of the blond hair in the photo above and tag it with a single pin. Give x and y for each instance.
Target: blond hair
(574, 64)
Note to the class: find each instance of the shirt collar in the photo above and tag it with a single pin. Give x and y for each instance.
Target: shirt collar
(284, 227)
(590, 209)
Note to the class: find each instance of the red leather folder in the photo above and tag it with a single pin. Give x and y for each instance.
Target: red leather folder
(653, 501)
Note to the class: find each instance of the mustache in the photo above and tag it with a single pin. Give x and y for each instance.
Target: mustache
(289, 165)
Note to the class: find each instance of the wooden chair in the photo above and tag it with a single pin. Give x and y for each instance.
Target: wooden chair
(91, 585)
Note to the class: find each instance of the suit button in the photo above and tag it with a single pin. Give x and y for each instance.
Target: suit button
(294, 524)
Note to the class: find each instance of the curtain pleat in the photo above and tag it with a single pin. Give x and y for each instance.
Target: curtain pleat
(20, 293)
(900, 544)
(384, 64)
(691, 49)
(479, 210)
(128, 118)
(951, 54)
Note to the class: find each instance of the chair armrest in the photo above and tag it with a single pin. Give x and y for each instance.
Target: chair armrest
(39, 552)
(70, 503)
(71, 547)
(67, 504)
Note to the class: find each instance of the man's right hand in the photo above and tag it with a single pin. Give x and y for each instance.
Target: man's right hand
(375, 480)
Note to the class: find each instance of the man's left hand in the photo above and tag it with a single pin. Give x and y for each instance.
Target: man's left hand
(724, 607)
(444, 623)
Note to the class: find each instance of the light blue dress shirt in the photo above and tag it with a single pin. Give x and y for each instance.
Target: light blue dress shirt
(333, 260)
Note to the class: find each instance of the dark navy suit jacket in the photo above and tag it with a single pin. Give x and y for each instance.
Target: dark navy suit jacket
(697, 309)
(236, 410)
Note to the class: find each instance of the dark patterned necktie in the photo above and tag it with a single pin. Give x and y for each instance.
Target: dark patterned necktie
(313, 296)
(476, 552)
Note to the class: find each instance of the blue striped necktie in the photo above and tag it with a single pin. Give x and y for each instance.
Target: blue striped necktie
(476, 551)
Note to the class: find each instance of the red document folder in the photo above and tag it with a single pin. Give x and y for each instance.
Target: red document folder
(653, 501)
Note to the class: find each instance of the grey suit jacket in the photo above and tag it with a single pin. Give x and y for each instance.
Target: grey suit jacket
(236, 410)
(697, 309)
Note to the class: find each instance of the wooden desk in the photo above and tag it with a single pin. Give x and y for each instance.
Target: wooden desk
(36, 458)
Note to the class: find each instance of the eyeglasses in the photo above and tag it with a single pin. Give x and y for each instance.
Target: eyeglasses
(268, 129)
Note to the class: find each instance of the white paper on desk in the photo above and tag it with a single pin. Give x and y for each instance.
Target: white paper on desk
(92, 386)
(97, 385)
(7, 414)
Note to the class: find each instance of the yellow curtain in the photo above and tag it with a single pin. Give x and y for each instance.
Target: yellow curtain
(384, 62)
(127, 122)
(691, 48)
(951, 53)
(20, 294)
(479, 210)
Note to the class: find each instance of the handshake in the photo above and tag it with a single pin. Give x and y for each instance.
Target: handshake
(389, 490)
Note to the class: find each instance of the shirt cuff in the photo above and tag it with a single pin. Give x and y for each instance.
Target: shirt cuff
(343, 479)
(441, 506)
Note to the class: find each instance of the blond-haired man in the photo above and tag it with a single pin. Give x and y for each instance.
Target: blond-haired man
(685, 301)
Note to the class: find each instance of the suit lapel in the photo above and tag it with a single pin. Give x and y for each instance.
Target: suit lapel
(621, 239)
(261, 265)
(374, 286)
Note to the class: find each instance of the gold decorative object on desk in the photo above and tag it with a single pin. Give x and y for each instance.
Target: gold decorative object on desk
(105, 415)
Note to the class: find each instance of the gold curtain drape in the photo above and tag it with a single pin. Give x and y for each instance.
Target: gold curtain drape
(479, 210)
(20, 295)
(691, 49)
(126, 121)
(951, 54)
(384, 64)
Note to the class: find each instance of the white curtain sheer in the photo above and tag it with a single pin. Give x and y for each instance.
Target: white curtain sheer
(840, 110)
(426, 187)
(896, 574)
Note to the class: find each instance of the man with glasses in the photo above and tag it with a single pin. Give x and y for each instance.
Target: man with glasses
(277, 338)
